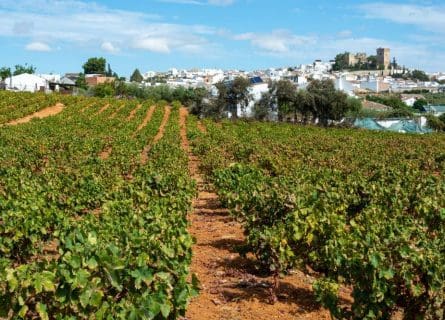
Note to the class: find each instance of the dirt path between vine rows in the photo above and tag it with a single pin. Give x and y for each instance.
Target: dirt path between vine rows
(116, 111)
(46, 112)
(146, 120)
(231, 287)
(105, 107)
(105, 154)
(133, 112)
(159, 135)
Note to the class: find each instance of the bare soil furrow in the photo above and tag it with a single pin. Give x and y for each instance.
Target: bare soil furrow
(232, 288)
(105, 107)
(159, 135)
(47, 112)
(146, 120)
(133, 112)
(116, 111)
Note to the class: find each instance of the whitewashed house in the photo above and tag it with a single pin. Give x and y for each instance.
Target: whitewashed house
(301, 81)
(149, 74)
(343, 84)
(256, 90)
(55, 78)
(27, 82)
(374, 84)
(410, 99)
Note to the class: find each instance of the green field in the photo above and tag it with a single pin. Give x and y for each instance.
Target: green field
(89, 231)
(363, 209)
(86, 237)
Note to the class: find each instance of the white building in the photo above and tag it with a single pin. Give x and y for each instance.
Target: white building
(215, 78)
(301, 81)
(256, 90)
(55, 78)
(26, 82)
(321, 66)
(376, 84)
(370, 84)
(345, 85)
(410, 99)
(149, 74)
(173, 72)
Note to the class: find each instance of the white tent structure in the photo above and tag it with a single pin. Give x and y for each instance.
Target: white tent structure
(26, 82)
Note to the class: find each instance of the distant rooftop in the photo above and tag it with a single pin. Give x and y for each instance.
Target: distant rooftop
(256, 80)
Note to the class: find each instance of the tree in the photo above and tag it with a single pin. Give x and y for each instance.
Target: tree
(339, 106)
(5, 73)
(354, 105)
(284, 91)
(419, 104)
(21, 69)
(136, 76)
(120, 87)
(341, 62)
(216, 108)
(196, 102)
(104, 90)
(95, 66)
(390, 101)
(304, 104)
(329, 103)
(238, 95)
(419, 75)
(81, 81)
(435, 123)
(263, 107)
(372, 62)
(109, 71)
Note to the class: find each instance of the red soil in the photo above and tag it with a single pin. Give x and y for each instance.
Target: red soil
(47, 112)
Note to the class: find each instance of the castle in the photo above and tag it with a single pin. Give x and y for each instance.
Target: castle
(383, 58)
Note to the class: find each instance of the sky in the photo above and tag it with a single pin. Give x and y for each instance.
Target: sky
(59, 36)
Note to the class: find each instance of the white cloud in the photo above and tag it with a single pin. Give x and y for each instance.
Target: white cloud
(48, 24)
(276, 42)
(431, 18)
(38, 46)
(159, 45)
(86, 24)
(283, 44)
(109, 47)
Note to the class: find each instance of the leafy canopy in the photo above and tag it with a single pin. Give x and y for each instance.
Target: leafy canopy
(95, 65)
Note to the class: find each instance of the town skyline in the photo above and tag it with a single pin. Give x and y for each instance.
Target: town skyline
(58, 36)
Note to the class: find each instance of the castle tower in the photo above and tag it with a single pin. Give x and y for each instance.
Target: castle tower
(384, 57)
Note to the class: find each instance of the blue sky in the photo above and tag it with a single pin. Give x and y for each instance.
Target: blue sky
(59, 36)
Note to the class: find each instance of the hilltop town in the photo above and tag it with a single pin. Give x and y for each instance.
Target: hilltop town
(358, 75)
(352, 73)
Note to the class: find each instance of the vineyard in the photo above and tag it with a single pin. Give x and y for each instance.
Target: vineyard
(86, 227)
(363, 210)
(96, 203)
(14, 106)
